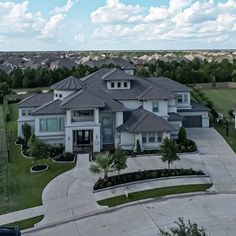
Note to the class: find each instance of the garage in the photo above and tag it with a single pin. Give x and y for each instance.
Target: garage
(192, 121)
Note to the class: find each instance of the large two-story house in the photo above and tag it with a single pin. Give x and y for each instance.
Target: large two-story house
(109, 108)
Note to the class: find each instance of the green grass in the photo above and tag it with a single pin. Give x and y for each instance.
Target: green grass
(25, 224)
(21, 189)
(223, 99)
(118, 200)
(231, 140)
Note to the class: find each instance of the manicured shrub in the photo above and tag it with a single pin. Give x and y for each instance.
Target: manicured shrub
(182, 136)
(26, 129)
(138, 148)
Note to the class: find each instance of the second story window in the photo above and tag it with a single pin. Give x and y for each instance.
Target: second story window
(155, 106)
(23, 112)
(83, 115)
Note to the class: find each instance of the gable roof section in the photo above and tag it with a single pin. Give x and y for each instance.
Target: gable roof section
(195, 107)
(168, 84)
(68, 84)
(50, 108)
(144, 121)
(36, 100)
(82, 99)
(116, 75)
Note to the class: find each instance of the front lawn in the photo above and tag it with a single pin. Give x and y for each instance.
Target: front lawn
(118, 200)
(21, 189)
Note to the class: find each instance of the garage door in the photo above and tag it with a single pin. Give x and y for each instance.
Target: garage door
(192, 121)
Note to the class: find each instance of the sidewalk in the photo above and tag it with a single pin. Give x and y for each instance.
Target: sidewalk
(21, 215)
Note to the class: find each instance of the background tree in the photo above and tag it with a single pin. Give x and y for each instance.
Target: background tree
(103, 164)
(119, 160)
(168, 152)
(26, 129)
(183, 229)
(233, 75)
(182, 136)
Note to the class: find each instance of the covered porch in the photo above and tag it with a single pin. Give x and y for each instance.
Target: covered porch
(83, 141)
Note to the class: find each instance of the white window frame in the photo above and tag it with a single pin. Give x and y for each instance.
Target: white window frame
(155, 106)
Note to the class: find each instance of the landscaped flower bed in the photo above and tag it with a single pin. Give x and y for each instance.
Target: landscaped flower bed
(39, 168)
(143, 175)
(187, 146)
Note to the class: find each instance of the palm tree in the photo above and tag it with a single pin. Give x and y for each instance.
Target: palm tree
(168, 152)
(103, 164)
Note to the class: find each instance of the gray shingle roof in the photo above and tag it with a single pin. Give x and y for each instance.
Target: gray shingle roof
(168, 84)
(36, 100)
(50, 108)
(69, 83)
(117, 74)
(175, 117)
(144, 121)
(195, 107)
(82, 99)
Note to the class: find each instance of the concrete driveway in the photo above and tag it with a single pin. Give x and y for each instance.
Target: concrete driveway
(218, 158)
(70, 194)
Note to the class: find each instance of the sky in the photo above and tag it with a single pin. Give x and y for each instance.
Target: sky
(37, 25)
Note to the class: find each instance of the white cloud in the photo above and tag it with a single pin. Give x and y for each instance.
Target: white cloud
(16, 20)
(65, 8)
(202, 20)
(115, 12)
(80, 38)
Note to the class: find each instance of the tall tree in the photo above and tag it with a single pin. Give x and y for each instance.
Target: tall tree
(169, 152)
(103, 164)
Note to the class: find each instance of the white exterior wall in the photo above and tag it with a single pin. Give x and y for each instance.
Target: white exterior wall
(49, 137)
(185, 105)
(127, 141)
(163, 108)
(62, 93)
(172, 107)
(119, 121)
(24, 119)
(131, 104)
(205, 117)
(69, 137)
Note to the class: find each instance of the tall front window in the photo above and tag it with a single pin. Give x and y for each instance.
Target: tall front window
(155, 106)
(51, 125)
(83, 115)
(107, 130)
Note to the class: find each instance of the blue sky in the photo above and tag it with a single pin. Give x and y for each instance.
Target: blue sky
(117, 24)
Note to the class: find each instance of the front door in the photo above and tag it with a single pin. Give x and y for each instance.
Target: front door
(84, 137)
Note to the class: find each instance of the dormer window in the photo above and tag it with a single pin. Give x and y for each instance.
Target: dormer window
(112, 85)
(125, 85)
(118, 85)
(60, 95)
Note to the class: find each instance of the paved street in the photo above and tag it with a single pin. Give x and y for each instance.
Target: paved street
(217, 213)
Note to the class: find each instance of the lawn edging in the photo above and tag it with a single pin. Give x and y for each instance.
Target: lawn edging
(154, 193)
(150, 180)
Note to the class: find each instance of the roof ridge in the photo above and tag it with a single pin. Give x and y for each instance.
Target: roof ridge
(45, 105)
(143, 93)
(109, 73)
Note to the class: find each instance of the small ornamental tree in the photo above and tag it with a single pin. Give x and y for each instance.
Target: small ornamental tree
(184, 229)
(138, 147)
(182, 136)
(103, 164)
(26, 129)
(168, 152)
(119, 160)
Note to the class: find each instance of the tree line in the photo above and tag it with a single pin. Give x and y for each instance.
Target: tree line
(192, 72)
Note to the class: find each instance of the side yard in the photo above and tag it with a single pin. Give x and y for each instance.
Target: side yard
(21, 188)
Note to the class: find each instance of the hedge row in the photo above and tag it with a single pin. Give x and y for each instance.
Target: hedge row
(143, 175)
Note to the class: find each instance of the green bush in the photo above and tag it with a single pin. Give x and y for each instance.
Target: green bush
(182, 136)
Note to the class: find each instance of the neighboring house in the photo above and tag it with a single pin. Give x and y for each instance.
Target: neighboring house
(110, 108)
(63, 63)
(125, 65)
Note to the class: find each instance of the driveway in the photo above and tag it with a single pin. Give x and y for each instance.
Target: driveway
(70, 194)
(218, 158)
